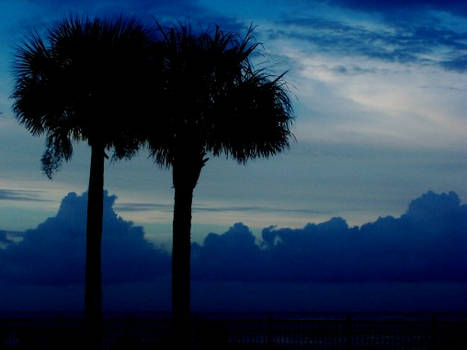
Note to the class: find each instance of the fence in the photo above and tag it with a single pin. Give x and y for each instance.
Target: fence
(347, 334)
(240, 333)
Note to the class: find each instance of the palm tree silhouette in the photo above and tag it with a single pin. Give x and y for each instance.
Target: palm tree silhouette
(216, 103)
(81, 83)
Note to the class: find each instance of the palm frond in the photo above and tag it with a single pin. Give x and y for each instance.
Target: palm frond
(84, 81)
(216, 101)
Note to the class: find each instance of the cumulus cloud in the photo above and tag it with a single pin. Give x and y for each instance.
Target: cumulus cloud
(233, 255)
(427, 243)
(54, 251)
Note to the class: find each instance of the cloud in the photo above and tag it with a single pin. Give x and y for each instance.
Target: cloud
(136, 207)
(455, 6)
(412, 42)
(21, 195)
(427, 243)
(140, 207)
(230, 256)
(350, 70)
(54, 252)
(3, 238)
(457, 64)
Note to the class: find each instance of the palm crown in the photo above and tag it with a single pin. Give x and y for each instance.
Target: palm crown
(76, 86)
(216, 101)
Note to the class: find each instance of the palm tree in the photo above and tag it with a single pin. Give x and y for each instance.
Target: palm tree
(215, 103)
(81, 83)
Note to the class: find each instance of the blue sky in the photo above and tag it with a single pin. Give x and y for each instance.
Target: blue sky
(379, 94)
(379, 90)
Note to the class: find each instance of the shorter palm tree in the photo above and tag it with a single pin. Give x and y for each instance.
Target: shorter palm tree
(215, 103)
(83, 83)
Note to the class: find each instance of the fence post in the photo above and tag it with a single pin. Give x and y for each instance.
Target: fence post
(434, 333)
(348, 333)
(269, 330)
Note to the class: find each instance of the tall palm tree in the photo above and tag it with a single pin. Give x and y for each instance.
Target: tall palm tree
(216, 103)
(82, 82)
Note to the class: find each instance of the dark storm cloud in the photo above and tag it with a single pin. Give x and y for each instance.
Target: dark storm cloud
(427, 243)
(54, 252)
(21, 195)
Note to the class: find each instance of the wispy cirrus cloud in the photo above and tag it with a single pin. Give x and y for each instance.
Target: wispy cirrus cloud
(456, 64)
(390, 6)
(140, 207)
(22, 195)
(402, 43)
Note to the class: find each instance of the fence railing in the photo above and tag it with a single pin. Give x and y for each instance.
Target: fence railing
(239, 333)
(348, 334)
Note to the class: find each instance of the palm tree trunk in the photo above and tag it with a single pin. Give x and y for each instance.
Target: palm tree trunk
(185, 176)
(93, 286)
(181, 263)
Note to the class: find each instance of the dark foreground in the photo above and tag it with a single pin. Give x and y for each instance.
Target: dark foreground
(28, 332)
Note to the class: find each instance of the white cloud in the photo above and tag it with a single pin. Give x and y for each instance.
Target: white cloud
(354, 99)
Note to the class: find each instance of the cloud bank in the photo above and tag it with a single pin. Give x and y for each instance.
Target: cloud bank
(54, 252)
(426, 244)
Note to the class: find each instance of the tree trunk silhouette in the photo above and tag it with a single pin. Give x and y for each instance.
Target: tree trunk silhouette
(186, 173)
(93, 283)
